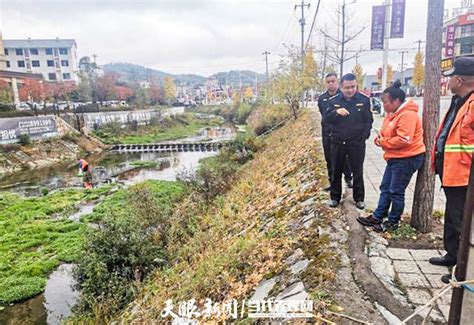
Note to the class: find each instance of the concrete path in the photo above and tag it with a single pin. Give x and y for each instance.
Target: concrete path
(374, 167)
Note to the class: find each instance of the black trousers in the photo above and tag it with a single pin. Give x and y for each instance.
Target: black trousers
(455, 200)
(327, 156)
(355, 153)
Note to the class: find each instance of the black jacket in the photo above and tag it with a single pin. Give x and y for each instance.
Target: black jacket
(323, 105)
(355, 126)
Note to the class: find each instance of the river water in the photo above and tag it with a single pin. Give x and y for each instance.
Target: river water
(56, 302)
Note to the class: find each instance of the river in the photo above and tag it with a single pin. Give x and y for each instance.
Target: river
(56, 302)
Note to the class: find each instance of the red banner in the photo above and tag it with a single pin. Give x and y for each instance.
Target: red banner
(449, 47)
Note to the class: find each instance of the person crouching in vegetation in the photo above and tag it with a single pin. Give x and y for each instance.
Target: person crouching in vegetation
(401, 138)
(85, 173)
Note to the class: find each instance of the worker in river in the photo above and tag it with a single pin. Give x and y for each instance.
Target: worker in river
(85, 173)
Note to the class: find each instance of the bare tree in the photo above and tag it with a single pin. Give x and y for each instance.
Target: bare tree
(339, 51)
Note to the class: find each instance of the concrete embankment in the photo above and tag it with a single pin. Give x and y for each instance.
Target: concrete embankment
(62, 146)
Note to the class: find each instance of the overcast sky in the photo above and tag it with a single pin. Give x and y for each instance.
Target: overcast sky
(200, 36)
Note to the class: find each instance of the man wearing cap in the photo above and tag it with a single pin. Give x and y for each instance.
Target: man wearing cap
(452, 155)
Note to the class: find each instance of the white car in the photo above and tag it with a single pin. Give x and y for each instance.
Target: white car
(22, 106)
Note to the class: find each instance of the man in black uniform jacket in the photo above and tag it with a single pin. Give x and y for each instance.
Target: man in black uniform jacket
(351, 119)
(323, 105)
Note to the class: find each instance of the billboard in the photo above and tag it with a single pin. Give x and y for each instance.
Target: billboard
(378, 28)
(34, 127)
(398, 19)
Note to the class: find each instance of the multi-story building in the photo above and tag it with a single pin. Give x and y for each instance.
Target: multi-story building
(458, 40)
(56, 59)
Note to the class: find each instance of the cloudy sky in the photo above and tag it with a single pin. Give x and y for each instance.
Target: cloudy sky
(200, 36)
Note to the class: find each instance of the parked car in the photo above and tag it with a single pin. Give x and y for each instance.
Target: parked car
(377, 105)
(22, 106)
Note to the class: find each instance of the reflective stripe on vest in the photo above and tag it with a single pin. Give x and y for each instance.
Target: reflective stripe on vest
(459, 148)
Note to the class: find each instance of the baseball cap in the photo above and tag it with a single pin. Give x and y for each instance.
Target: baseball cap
(463, 66)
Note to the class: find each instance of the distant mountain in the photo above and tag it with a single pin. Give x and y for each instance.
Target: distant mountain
(132, 72)
(233, 77)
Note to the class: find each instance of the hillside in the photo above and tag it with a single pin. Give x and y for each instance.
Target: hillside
(135, 72)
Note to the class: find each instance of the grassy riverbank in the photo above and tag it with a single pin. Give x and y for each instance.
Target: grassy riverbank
(170, 128)
(36, 234)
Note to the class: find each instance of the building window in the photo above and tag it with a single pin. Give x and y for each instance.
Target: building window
(66, 76)
(8, 64)
(34, 51)
(35, 63)
(21, 64)
(6, 51)
(50, 63)
(49, 51)
(63, 51)
(19, 51)
(51, 76)
(64, 63)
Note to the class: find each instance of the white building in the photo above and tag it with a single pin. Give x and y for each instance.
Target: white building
(56, 59)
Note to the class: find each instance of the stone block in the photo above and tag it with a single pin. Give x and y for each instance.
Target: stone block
(405, 266)
(263, 289)
(382, 268)
(423, 254)
(435, 281)
(299, 266)
(444, 310)
(434, 315)
(295, 257)
(292, 290)
(398, 254)
(413, 280)
(418, 296)
(428, 268)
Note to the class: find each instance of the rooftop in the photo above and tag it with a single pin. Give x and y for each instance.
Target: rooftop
(38, 43)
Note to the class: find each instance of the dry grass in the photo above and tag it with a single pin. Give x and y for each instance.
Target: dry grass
(224, 250)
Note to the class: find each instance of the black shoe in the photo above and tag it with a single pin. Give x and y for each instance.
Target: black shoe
(360, 205)
(327, 189)
(349, 183)
(333, 203)
(386, 226)
(369, 221)
(446, 278)
(442, 261)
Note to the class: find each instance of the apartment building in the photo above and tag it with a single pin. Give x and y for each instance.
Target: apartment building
(56, 59)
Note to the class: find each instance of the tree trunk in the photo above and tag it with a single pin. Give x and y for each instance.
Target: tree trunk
(424, 190)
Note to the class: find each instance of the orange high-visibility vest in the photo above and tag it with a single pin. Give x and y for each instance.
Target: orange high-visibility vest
(459, 146)
(83, 163)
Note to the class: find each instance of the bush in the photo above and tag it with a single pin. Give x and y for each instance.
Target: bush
(128, 246)
(24, 139)
(267, 116)
(243, 112)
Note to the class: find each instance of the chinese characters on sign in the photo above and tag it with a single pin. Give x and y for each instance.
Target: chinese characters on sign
(378, 28)
(35, 127)
(450, 33)
(398, 19)
(446, 64)
(189, 311)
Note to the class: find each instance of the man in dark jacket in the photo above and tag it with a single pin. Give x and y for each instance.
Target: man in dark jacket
(351, 120)
(323, 105)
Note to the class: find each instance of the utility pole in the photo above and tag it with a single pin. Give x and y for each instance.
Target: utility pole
(357, 58)
(343, 43)
(425, 181)
(266, 53)
(302, 23)
(419, 44)
(402, 66)
(240, 86)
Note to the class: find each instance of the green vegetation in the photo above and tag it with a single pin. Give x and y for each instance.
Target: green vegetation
(35, 237)
(404, 231)
(170, 128)
(144, 163)
(128, 245)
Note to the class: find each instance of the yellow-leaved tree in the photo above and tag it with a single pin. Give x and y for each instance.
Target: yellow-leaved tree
(389, 75)
(169, 89)
(419, 72)
(359, 73)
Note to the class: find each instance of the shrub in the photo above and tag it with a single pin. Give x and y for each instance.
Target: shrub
(267, 116)
(128, 246)
(24, 139)
(243, 112)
